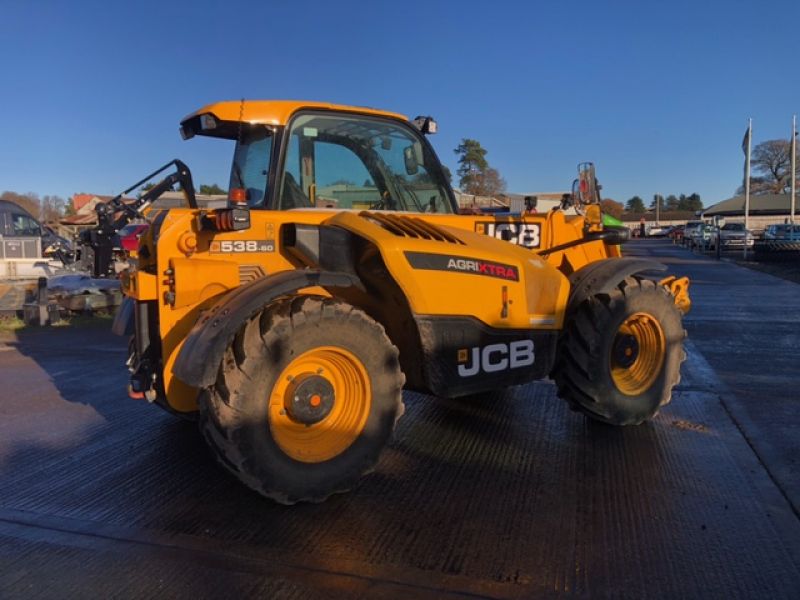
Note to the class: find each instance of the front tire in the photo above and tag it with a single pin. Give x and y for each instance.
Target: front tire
(305, 399)
(619, 355)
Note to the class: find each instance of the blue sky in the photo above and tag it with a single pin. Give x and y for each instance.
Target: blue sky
(657, 94)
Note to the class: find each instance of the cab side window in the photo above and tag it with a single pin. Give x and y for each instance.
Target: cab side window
(358, 162)
(322, 169)
(343, 180)
(23, 225)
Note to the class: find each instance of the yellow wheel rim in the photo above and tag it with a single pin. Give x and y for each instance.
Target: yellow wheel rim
(320, 404)
(637, 354)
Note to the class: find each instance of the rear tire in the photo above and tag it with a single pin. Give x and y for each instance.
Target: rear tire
(619, 355)
(306, 398)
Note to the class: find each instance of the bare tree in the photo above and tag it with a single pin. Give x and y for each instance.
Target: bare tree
(487, 183)
(612, 207)
(52, 208)
(772, 160)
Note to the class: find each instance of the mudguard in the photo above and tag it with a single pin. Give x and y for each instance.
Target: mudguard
(201, 353)
(602, 276)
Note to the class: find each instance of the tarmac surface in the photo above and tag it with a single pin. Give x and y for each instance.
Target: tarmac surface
(508, 496)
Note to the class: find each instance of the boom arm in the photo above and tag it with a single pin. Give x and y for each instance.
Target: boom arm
(182, 175)
(100, 237)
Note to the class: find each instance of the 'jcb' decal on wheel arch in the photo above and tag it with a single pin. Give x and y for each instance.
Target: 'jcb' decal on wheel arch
(522, 234)
(495, 357)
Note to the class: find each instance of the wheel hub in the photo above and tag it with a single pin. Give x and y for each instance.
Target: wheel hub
(309, 399)
(320, 403)
(626, 350)
(638, 353)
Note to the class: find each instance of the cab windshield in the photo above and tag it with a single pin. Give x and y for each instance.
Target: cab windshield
(358, 162)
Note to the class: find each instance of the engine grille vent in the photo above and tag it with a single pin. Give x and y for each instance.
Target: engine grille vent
(248, 273)
(412, 227)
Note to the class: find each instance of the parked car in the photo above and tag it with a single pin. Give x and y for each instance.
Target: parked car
(732, 235)
(656, 231)
(785, 232)
(688, 230)
(126, 241)
(676, 233)
(22, 236)
(700, 236)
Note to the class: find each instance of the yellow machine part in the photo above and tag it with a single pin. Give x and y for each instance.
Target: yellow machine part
(537, 298)
(278, 112)
(192, 272)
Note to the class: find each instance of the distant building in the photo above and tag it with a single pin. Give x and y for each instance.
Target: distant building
(765, 209)
(512, 201)
(81, 200)
(85, 215)
(673, 217)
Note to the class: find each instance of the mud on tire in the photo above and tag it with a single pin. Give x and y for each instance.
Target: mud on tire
(299, 356)
(619, 355)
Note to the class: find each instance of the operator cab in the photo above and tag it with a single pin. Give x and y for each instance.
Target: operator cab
(324, 158)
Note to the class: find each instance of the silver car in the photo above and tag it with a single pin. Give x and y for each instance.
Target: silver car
(732, 235)
(699, 236)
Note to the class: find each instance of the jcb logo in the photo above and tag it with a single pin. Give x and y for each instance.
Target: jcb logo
(522, 234)
(495, 357)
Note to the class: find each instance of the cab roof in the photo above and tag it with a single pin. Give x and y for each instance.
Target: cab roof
(7, 206)
(277, 112)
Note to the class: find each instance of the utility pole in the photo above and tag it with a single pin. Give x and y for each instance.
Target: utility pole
(658, 206)
(749, 140)
(794, 165)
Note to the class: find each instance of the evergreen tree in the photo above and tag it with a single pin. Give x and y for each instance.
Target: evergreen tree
(635, 205)
(475, 174)
(212, 190)
(672, 202)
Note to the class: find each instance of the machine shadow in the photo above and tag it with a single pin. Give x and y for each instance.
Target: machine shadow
(479, 487)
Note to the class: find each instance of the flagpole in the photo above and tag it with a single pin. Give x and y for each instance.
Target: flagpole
(747, 181)
(794, 165)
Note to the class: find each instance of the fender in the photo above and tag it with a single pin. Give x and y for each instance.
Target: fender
(202, 351)
(602, 276)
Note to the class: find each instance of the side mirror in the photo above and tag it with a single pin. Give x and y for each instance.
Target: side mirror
(426, 125)
(588, 183)
(410, 159)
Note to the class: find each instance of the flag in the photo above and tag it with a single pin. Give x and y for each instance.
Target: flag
(746, 150)
(793, 180)
(794, 145)
(746, 141)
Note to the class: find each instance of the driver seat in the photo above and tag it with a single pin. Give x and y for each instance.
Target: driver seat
(292, 195)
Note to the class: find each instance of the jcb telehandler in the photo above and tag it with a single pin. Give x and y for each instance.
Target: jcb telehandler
(290, 317)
